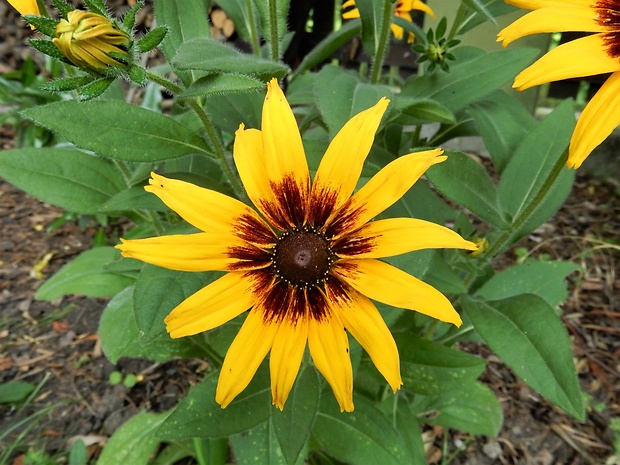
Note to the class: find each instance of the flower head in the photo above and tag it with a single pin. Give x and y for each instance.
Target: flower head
(91, 41)
(26, 7)
(402, 9)
(307, 264)
(597, 53)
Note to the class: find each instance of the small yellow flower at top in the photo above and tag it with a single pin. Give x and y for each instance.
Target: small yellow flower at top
(402, 9)
(89, 40)
(26, 7)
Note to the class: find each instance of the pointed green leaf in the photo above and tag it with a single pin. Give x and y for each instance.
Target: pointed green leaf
(134, 442)
(94, 89)
(152, 39)
(86, 275)
(96, 6)
(43, 24)
(134, 198)
(15, 391)
(258, 446)
(48, 48)
(129, 20)
(71, 179)
(66, 84)
(118, 130)
(223, 84)
(462, 179)
(424, 110)
(525, 332)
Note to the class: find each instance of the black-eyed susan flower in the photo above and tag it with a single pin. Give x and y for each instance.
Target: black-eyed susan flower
(26, 7)
(402, 9)
(597, 53)
(91, 41)
(307, 264)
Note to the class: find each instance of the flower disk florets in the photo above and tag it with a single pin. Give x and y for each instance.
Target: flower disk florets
(302, 257)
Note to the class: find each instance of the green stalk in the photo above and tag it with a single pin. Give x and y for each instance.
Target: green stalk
(273, 29)
(165, 83)
(381, 50)
(457, 22)
(249, 4)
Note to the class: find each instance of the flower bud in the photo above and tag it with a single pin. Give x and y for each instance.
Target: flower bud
(92, 41)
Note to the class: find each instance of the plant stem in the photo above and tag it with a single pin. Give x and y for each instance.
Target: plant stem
(457, 22)
(249, 4)
(215, 142)
(384, 34)
(273, 29)
(165, 83)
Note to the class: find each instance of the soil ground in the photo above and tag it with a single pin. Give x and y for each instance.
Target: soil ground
(55, 344)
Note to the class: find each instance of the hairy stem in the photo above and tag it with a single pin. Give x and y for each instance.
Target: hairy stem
(381, 50)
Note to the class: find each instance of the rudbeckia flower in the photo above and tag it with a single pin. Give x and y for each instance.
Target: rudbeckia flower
(402, 9)
(597, 53)
(26, 7)
(306, 264)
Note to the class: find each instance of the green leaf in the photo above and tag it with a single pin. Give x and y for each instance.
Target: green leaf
(408, 425)
(86, 275)
(15, 391)
(118, 130)
(242, 19)
(94, 89)
(530, 167)
(503, 123)
(96, 6)
(428, 368)
(120, 336)
(462, 179)
(152, 39)
(134, 442)
(211, 56)
(43, 24)
(258, 446)
(71, 179)
(528, 336)
(424, 110)
(496, 8)
(269, 26)
(362, 437)
(158, 292)
(78, 455)
(47, 47)
(134, 198)
(292, 426)
(470, 80)
(371, 15)
(223, 84)
(479, 7)
(66, 84)
(198, 415)
(340, 95)
(129, 20)
(473, 408)
(324, 50)
(229, 110)
(544, 279)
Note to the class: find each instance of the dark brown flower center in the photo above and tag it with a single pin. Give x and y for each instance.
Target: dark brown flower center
(609, 17)
(302, 257)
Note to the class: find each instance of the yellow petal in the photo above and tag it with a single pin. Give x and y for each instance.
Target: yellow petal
(384, 188)
(581, 57)
(395, 236)
(329, 347)
(352, 14)
(183, 252)
(26, 7)
(342, 163)
(385, 283)
(536, 4)
(599, 118)
(546, 20)
(284, 155)
(421, 6)
(397, 30)
(212, 306)
(362, 319)
(285, 359)
(244, 356)
(206, 209)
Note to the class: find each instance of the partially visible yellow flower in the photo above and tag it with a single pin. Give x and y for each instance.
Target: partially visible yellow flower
(26, 7)
(308, 264)
(402, 9)
(597, 53)
(89, 40)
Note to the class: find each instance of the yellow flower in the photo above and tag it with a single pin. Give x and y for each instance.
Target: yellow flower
(307, 265)
(26, 7)
(91, 41)
(597, 53)
(402, 9)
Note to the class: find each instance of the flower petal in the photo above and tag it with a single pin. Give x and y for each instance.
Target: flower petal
(183, 252)
(557, 19)
(329, 347)
(382, 190)
(421, 6)
(285, 159)
(386, 283)
(25, 7)
(342, 163)
(244, 356)
(395, 236)
(205, 209)
(285, 359)
(536, 4)
(362, 319)
(212, 306)
(597, 121)
(581, 57)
